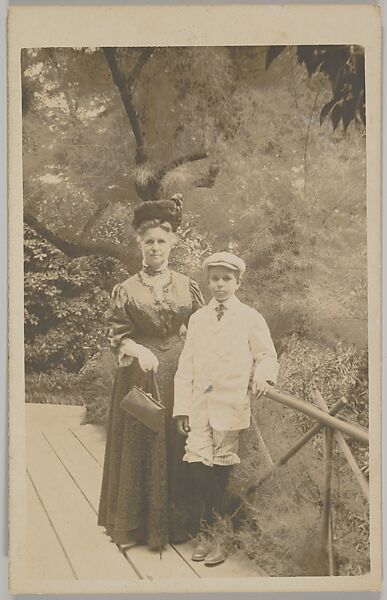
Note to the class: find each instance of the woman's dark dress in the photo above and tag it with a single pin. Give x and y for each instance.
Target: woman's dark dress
(145, 493)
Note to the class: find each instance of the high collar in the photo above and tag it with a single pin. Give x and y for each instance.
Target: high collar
(151, 271)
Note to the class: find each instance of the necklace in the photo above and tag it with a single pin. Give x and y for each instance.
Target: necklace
(158, 297)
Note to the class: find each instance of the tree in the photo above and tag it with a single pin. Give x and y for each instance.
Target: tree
(148, 186)
(78, 84)
(104, 128)
(198, 113)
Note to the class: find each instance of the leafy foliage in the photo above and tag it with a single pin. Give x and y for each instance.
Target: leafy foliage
(53, 387)
(64, 306)
(344, 66)
(336, 372)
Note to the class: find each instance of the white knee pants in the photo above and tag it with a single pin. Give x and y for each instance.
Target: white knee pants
(205, 444)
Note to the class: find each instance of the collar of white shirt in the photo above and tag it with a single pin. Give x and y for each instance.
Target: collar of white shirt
(232, 304)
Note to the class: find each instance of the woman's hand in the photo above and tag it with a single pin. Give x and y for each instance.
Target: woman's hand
(260, 387)
(183, 425)
(124, 360)
(148, 361)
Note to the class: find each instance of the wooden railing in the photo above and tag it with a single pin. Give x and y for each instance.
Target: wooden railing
(334, 430)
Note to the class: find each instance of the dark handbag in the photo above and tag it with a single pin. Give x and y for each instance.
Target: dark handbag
(144, 407)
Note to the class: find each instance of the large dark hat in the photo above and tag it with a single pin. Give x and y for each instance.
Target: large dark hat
(165, 210)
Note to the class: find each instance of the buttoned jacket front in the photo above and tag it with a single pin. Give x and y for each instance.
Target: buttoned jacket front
(216, 364)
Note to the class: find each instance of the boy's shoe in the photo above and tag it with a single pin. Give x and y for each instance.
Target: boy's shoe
(215, 557)
(201, 551)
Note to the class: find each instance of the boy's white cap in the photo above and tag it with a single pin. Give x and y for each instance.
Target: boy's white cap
(225, 259)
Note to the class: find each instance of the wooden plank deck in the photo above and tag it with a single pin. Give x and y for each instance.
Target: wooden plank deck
(64, 470)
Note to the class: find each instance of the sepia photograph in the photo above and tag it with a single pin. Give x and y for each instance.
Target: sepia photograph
(195, 362)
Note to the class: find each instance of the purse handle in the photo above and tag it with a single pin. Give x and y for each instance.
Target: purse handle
(154, 381)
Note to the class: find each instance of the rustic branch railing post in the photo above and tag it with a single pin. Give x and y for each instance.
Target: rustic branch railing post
(301, 442)
(363, 483)
(309, 434)
(326, 530)
(331, 550)
(262, 444)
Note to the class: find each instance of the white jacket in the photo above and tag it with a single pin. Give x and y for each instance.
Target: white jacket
(217, 361)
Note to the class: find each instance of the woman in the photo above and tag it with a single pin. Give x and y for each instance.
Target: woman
(145, 496)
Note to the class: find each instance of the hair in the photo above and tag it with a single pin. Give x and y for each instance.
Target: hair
(152, 223)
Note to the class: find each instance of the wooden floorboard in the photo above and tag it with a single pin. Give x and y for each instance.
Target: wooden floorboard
(64, 461)
(237, 564)
(91, 554)
(46, 558)
(41, 414)
(87, 474)
(80, 465)
(152, 567)
(93, 438)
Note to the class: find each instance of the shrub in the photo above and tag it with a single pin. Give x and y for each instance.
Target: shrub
(96, 386)
(65, 301)
(55, 387)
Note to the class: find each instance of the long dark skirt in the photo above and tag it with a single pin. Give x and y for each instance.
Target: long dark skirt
(146, 494)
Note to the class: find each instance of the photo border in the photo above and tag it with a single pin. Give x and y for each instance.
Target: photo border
(31, 27)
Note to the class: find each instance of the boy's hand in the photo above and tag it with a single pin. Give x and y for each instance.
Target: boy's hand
(183, 425)
(183, 332)
(260, 387)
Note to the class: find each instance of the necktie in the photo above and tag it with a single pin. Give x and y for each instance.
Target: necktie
(220, 311)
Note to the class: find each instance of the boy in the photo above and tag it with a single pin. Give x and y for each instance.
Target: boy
(225, 339)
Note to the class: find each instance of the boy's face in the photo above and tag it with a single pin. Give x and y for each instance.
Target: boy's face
(222, 282)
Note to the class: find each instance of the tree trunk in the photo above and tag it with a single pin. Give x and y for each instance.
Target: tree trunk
(149, 189)
(125, 89)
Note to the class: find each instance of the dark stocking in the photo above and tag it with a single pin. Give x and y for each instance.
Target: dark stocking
(232, 503)
(222, 474)
(211, 482)
(206, 484)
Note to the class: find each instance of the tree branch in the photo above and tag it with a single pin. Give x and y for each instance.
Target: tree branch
(127, 99)
(80, 247)
(91, 221)
(136, 72)
(181, 161)
(151, 189)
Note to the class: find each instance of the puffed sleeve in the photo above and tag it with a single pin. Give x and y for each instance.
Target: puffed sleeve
(262, 349)
(196, 295)
(120, 324)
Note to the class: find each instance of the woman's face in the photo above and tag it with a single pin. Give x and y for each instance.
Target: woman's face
(155, 246)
